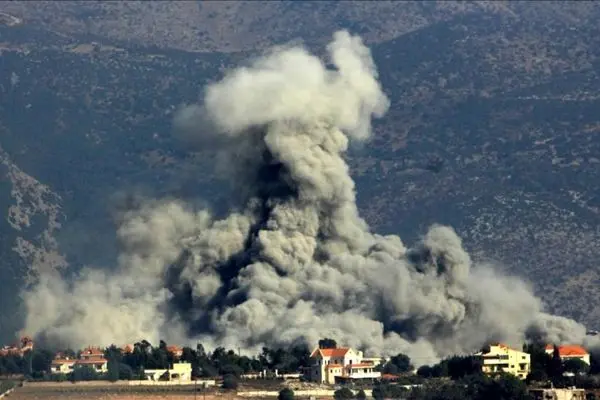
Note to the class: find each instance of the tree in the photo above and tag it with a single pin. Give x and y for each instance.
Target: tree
(398, 364)
(343, 394)
(459, 367)
(504, 387)
(594, 363)
(84, 373)
(327, 343)
(230, 382)
(384, 390)
(540, 361)
(361, 395)
(113, 371)
(41, 360)
(286, 394)
(537, 375)
(425, 371)
(125, 372)
(555, 367)
(576, 366)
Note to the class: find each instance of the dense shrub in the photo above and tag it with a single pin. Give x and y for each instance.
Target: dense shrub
(286, 394)
(230, 382)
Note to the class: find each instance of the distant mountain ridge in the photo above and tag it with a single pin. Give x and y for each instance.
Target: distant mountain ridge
(492, 129)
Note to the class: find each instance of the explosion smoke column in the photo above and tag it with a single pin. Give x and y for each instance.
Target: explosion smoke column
(296, 263)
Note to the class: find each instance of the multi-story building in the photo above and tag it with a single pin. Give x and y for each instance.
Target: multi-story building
(501, 358)
(570, 351)
(340, 364)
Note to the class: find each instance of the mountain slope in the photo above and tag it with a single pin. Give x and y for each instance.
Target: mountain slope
(493, 126)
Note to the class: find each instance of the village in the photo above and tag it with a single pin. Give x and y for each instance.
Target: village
(329, 367)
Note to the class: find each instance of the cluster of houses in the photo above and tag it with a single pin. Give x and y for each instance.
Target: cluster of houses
(341, 365)
(94, 357)
(328, 365)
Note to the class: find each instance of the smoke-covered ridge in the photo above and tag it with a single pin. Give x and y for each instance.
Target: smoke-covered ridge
(297, 262)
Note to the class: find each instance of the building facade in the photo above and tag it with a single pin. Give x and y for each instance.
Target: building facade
(570, 351)
(91, 357)
(340, 364)
(501, 358)
(62, 365)
(181, 372)
(557, 394)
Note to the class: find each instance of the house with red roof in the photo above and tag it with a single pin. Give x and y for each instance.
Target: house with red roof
(341, 364)
(62, 365)
(92, 357)
(570, 351)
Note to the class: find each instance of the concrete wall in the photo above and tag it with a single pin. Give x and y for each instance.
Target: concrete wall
(301, 393)
(208, 383)
(199, 383)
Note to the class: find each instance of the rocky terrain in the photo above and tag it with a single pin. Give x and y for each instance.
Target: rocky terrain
(494, 126)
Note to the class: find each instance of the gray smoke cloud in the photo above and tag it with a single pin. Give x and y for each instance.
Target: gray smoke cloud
(296, 263)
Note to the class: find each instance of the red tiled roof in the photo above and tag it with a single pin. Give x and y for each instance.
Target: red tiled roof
(92, 351)
(389, 377)
(338, 352)
(569, 350)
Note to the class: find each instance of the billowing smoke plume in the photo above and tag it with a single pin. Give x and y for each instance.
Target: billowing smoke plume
(296, 262)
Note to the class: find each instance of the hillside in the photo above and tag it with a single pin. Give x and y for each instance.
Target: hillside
(493, 126)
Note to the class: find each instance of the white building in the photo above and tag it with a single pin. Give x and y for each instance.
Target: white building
(99, 365)
(62, 365)
(181, 372)
(501, 358)
(569, 351)
(340, 364)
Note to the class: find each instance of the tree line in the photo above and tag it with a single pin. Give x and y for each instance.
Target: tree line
(35, 364)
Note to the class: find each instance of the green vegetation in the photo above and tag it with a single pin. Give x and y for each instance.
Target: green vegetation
(343, 394)
(6, 385)
(397, 364)
(457, 377)
(327, 343)
(470, 387)
(221, 362)
(286, 394)
(230, 382)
